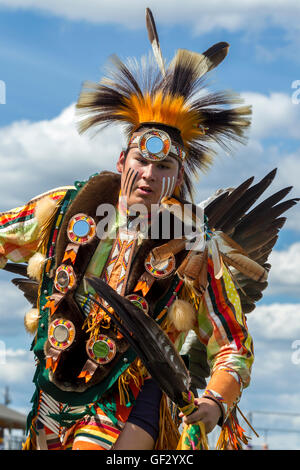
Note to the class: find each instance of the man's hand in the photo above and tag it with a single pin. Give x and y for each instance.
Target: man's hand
(208, 412)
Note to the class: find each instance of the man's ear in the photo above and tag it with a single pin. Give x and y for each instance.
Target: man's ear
(120, 162)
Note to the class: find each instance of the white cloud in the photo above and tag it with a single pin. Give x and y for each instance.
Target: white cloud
(277, 321)
(284, 274)
(38, 156)
(18, 367)
(289, 175)
(273, 394)
(13, 307)
(276, 115)
(232, 15)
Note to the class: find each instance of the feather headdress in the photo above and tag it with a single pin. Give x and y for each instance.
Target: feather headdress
(173, 95)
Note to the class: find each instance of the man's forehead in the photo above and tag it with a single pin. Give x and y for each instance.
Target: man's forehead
(135, 151)
(133, 147)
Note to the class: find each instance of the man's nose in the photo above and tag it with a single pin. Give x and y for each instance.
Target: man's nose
(149, 172)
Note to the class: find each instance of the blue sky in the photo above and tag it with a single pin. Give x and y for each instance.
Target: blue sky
(46, 54)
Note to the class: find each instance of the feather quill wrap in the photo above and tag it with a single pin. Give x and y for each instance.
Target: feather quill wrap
(235, 256)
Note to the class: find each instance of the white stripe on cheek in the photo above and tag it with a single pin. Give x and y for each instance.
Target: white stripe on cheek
(162, 189)
(172, 186)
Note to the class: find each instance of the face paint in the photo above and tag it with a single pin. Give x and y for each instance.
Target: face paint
(167, 187)
(127, 179)
(172, 185)
(133, 179)
(162, 189)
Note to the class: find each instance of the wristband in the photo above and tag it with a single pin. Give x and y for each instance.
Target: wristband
(214, 396)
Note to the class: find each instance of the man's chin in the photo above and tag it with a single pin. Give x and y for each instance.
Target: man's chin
(145, 200)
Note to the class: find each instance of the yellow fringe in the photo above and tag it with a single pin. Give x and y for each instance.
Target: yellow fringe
(223, 441)
(169, 435)
(136, 372)
(44, 233)
(96, 320)
(28, 445)
(189, 295)
(167, 326)
(232, 436)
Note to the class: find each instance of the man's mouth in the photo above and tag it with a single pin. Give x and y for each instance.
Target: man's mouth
(145, 189)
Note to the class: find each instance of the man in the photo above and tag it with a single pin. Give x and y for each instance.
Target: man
(147, 190)
(92, 389)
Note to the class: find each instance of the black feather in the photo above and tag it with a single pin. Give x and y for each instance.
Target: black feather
(239, 209)
(29, 288)
(216, 54)
(255, 231)
(151, 27)
(16, 268)
(149, 341)
(224, 202)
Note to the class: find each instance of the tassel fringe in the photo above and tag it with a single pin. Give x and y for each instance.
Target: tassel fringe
(45, 213)
(136, 372)
(232, 435)
(169, 435)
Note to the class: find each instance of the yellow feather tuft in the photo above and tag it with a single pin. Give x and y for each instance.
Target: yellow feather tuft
(35, 266)
(31, 320)
(169, 110)
(45, 209)
(45, 212)
(182, 315)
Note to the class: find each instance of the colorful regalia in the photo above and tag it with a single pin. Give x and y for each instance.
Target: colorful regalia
(110, 311)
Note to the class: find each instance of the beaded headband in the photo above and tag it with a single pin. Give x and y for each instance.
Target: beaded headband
(155, 145)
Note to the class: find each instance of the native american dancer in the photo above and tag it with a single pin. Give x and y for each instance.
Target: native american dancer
(124, 273)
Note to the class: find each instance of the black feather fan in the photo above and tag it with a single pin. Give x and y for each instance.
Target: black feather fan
(149, 342)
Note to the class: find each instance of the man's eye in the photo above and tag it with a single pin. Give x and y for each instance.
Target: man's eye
(164, 166)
